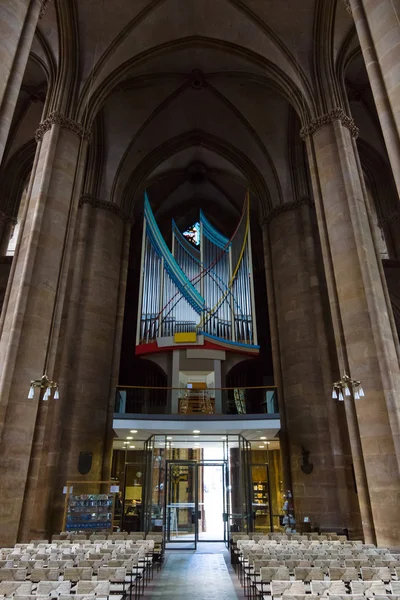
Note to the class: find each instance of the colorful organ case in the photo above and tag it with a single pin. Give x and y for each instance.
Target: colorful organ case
(196, 293)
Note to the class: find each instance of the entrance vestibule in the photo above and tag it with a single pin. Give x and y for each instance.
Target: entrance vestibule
(197, 488)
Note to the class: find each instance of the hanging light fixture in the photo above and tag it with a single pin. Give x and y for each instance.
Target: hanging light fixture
(44, 383)
(345, 387)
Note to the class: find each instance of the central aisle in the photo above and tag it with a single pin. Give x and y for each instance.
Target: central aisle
(194, 576)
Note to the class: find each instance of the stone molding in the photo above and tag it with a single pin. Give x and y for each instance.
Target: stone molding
(287, 207)
(43, 7)
(347, 6)
(392, 218)
(104, 205)
(57, 118)
(336, 114)
(8, 219)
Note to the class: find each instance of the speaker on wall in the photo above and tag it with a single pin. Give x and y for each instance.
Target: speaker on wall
(85, 462)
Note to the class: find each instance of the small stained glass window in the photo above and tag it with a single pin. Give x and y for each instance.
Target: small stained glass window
(192, 234)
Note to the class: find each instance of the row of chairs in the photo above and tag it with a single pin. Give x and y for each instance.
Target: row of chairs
(361, 557)
(324, 565)
(312, 546)
(331, 574)
(121, 535)
(292, 568)
(79, 568)
(315, 554)
(280, 542)
(282, 537)
(304, 570)
(60, 549)
(57, 588)
(87, 545)
(74, 574)
(108, 580)
(278, 588)
(257, 572)
(60, 597)
(335, 597)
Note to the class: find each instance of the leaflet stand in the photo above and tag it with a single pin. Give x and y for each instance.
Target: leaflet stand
(89, 511)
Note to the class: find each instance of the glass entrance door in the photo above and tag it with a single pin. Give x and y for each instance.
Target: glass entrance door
(181, 510)
(196, 503)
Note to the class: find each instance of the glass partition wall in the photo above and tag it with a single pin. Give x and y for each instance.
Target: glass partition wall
(197, 487)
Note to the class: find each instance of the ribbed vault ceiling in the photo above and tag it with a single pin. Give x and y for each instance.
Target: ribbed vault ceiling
(195, 101)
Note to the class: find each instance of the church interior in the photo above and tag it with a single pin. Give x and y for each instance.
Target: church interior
(199, 280)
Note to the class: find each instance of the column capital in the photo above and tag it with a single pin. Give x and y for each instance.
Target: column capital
(43, 7)
(57, 118)
(394, 216)
(286, 207)
(7, 218)
(336, 114)
(104, 205)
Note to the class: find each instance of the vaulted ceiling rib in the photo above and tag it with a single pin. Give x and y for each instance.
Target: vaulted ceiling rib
(130, 68)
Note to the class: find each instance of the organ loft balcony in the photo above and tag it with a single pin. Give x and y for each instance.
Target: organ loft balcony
(198, 400)
(243, 411)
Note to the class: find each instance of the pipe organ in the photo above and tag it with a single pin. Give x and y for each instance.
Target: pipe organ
(204, 289)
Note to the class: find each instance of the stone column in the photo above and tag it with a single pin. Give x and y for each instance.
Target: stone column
(326, 494)
(32, 312)
(364, 331)
(18, 20)
(276, 357)
(378, 29)
(119, 324)
(39, 491)
(93, 339)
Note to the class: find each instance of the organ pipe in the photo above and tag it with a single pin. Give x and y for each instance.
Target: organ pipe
(207, 289)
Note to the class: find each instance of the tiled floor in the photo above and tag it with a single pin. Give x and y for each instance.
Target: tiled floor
(201, 575)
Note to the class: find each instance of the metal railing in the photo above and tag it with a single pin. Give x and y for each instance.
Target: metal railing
(231, 401)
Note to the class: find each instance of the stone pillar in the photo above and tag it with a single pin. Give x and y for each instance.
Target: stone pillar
(363, 323)
(119, 324)
(325, 495)
(276, 358)
(93, 339)
(39, 491)
(32, 310)
(378, 29)
(18, 20)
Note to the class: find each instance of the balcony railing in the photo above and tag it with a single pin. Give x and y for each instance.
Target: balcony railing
(228, 401)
